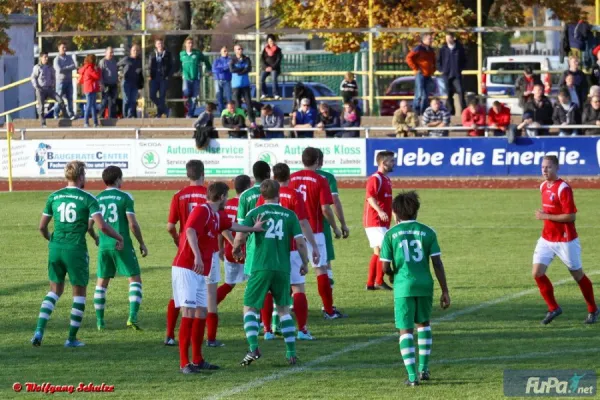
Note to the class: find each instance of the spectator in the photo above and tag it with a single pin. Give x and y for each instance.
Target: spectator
(328, 118)
(271, 63)
(594, 91)
(591, 115)
(234, 118)
(538, 111)
(498, 118)
(524, 85)
(89, 77)
(595, 75)
(404, 120)
(161, 68)
(43, 81)
(580, 80)
(302, 92)
(109, 82)
(206, 118)
(191, 73)
(566, 112)
(349, 88)
(222, 76)
(272, 117)
(305, 117)
(240, 66)
(64, 65)
(451, 63)
(133, 81)
(422, 61)
(436, 115)
(350, 119)
(569, 86)
(474, 116)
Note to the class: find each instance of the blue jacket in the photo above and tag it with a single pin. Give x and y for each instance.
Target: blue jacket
(451, 62)
(240, 67)
(309, 117)
(220, 69)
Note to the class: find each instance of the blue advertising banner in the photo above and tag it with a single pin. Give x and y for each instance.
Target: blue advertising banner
(486, 156)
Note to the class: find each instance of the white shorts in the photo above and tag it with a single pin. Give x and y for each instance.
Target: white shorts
(375, 235)
(189, 288)
(215, 270)
(320, 239)
(296, 263)
(234, 273)
(568, 252)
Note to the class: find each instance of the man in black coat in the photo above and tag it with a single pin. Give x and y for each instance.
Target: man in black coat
(161, 67)
(451, 62)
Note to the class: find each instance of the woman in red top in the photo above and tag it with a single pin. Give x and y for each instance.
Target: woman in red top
(89, 77)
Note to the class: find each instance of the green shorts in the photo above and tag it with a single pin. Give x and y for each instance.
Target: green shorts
(76, 263)
(328, 241)
(261, 282)
(124, 262)
(411, 310)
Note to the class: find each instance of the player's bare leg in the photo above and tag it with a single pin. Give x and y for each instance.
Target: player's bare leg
(289, 333)
(251, 317)
(100, 301)
(185, 338)
(301, 311)
(46, 309)
(198, 329)
(407, 350)
(424, 341)
(547, 291)
(135, 300)
(588, 294)
(212, 319)
(172, 315)
(77, 310)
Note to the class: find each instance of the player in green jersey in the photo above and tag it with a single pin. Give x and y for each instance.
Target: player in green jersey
(261, 171)
(271, 268)
(118, 211)
(405, 254)
(72, 207)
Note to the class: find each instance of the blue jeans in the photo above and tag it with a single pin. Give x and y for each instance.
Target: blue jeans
(423, 86)
(274, 135)
(191, 90)
(130, 94)
(90, 107)
(274, 86)
(109, 100)
(223, 94)
(159, 86)
(65, 90)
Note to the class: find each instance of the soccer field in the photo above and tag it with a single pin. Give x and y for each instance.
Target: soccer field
(487, 239)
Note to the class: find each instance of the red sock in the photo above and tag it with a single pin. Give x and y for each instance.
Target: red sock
(197, 339)
(301, 310)
(212, 323)
(172, 315)
(547, 292)
(266, 312)
(325, 293)
(185, 335)
(588, 293)
(379, 276)
(372, 270)
(223, 291)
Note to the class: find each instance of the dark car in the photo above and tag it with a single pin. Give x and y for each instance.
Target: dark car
(405, 86)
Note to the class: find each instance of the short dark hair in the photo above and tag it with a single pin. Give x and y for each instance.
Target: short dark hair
(437, 99)
(406, 205)
(473, 102)
(321, 156)
(241, 183)
(194, 170)
(310, 156)
(43, 53)
(272, 37)
(552, 158)
(261, 171)
(111, 174)
(62, 43)
(210, 107)
(539, 85)
(231, 103)
(382, 155)
(269, 189)
(496, 103)
(267, 107)
(528, 70)
(564, 93)
(216, 190)
(281, 172)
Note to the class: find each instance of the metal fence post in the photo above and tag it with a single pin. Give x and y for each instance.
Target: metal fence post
(257, 49)
(9, 131)
(479, 47)
(144, 89)
(371, 60)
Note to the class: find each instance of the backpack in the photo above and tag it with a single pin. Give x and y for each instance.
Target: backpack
(258, 132)
(203, 135)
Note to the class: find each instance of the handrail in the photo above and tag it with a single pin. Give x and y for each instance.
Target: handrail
(14, 84)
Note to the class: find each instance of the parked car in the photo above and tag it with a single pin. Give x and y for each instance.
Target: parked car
(287, 92)
(405, 86)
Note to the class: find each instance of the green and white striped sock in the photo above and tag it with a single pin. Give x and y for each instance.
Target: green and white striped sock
(99, 304)
(251, 329)
(135, 299)
(288, 328)
(275, 320)
(407, 349)
(76, 316)
(46, 309)
(424, 340)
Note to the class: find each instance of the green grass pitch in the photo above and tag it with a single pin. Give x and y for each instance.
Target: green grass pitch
(487, 239)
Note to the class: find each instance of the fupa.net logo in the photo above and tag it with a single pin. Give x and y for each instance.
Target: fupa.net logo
(554, 385)
(550, 383)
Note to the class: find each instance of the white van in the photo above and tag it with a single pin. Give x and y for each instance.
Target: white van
(504, 84)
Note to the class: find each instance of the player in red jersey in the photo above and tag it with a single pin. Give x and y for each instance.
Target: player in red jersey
(377, 215)
(182, 204)
(317, 198)
(192, 265)
(292, 200)
(559, 238)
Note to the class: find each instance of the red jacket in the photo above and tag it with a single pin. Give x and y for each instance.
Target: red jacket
(478, 118)
(89, 77)
(422, 59)
(501, 119)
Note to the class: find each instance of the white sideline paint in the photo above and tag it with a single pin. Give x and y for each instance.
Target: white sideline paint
(449, 317)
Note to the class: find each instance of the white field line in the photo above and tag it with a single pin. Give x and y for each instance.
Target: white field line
(359, 346)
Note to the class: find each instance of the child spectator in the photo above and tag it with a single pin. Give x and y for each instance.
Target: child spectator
(473, 116)
(350, 119)
(404, 120)
(206, 118)
(499, 118)
(89, 77)
(349, 88)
